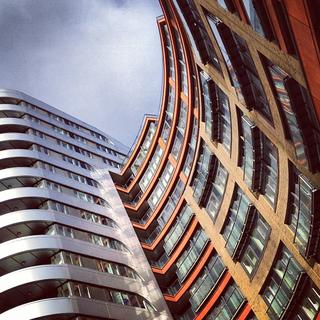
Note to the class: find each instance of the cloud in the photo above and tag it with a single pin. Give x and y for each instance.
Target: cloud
(97, 60)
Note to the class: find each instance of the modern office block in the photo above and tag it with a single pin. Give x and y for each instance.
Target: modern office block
(222, 188)
(68, 249)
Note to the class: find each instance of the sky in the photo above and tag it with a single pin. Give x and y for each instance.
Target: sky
(98, 60)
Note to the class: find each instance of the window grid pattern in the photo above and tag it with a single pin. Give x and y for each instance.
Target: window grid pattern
(242, 70)
(191, 254)
(229, 304)
(206, 282)
(302, 205)
(219, 184)
(282, 283)
(236, 221)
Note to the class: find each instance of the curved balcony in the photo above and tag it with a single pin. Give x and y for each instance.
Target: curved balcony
(179, 47)
(165, 226)
(15, 158)
(163, 265)
(32, 197)
(59, 234)
(25, 141)
(50, 133)
(25, 177)
(35, 221)
(178, 141)
(36, 115)
(10, 96)
(61, 306)
(140, 151)
(25, 251)
(178, 298)
(13, 282)
(48, 281)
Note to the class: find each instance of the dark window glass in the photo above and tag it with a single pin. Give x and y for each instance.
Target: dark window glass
(228, 5)
(219, 184)
(313, 6)
(191, 148)
(205, 167)
(190, 256)
(196, 31)
(238, 215)
(225, 119)
(242, 70)
(255, 244)
(206, 282)
(269, 170)
(168, 114)
(258, 18)
(178, 229)
(182, 63)
(216, 111)
(258, 158)
(282, 284)
(228, 305)
(187, 315)
(285, 27)
(246, 232)
(299, 119)
(303, 204)
(250, 153)
(308, 307)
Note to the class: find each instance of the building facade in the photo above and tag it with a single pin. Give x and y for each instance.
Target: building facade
(68, 248)
(223, 187)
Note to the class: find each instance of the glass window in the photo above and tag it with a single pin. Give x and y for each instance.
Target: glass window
(161, 186)
(239, 214)
(308, 306)
(182, 64)
(216, 111)
(204, 167)
(206, 282)
(285, 27)
(144, 148)
(71, 288)
(208, 112)
(186, 315)
(196, 31)
(297, 111)
(166, 212)
(255, 244)
(191, 149)
(259, 160)
(302, 205)
(228, 5)
(169, 52)
(281, 284)
(168, 114)
(269, 167)
(219, 184)
(182, 123)
(258, 18)
(250, 153)
(225, 119)
(228, 305)
(178, 229)
(191, 254)
(243, 73)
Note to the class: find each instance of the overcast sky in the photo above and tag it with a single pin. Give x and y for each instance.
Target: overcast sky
(99, 60)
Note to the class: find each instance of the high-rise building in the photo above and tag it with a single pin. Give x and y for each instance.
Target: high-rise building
(68, 249)
(223, 187)
(218, 201)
